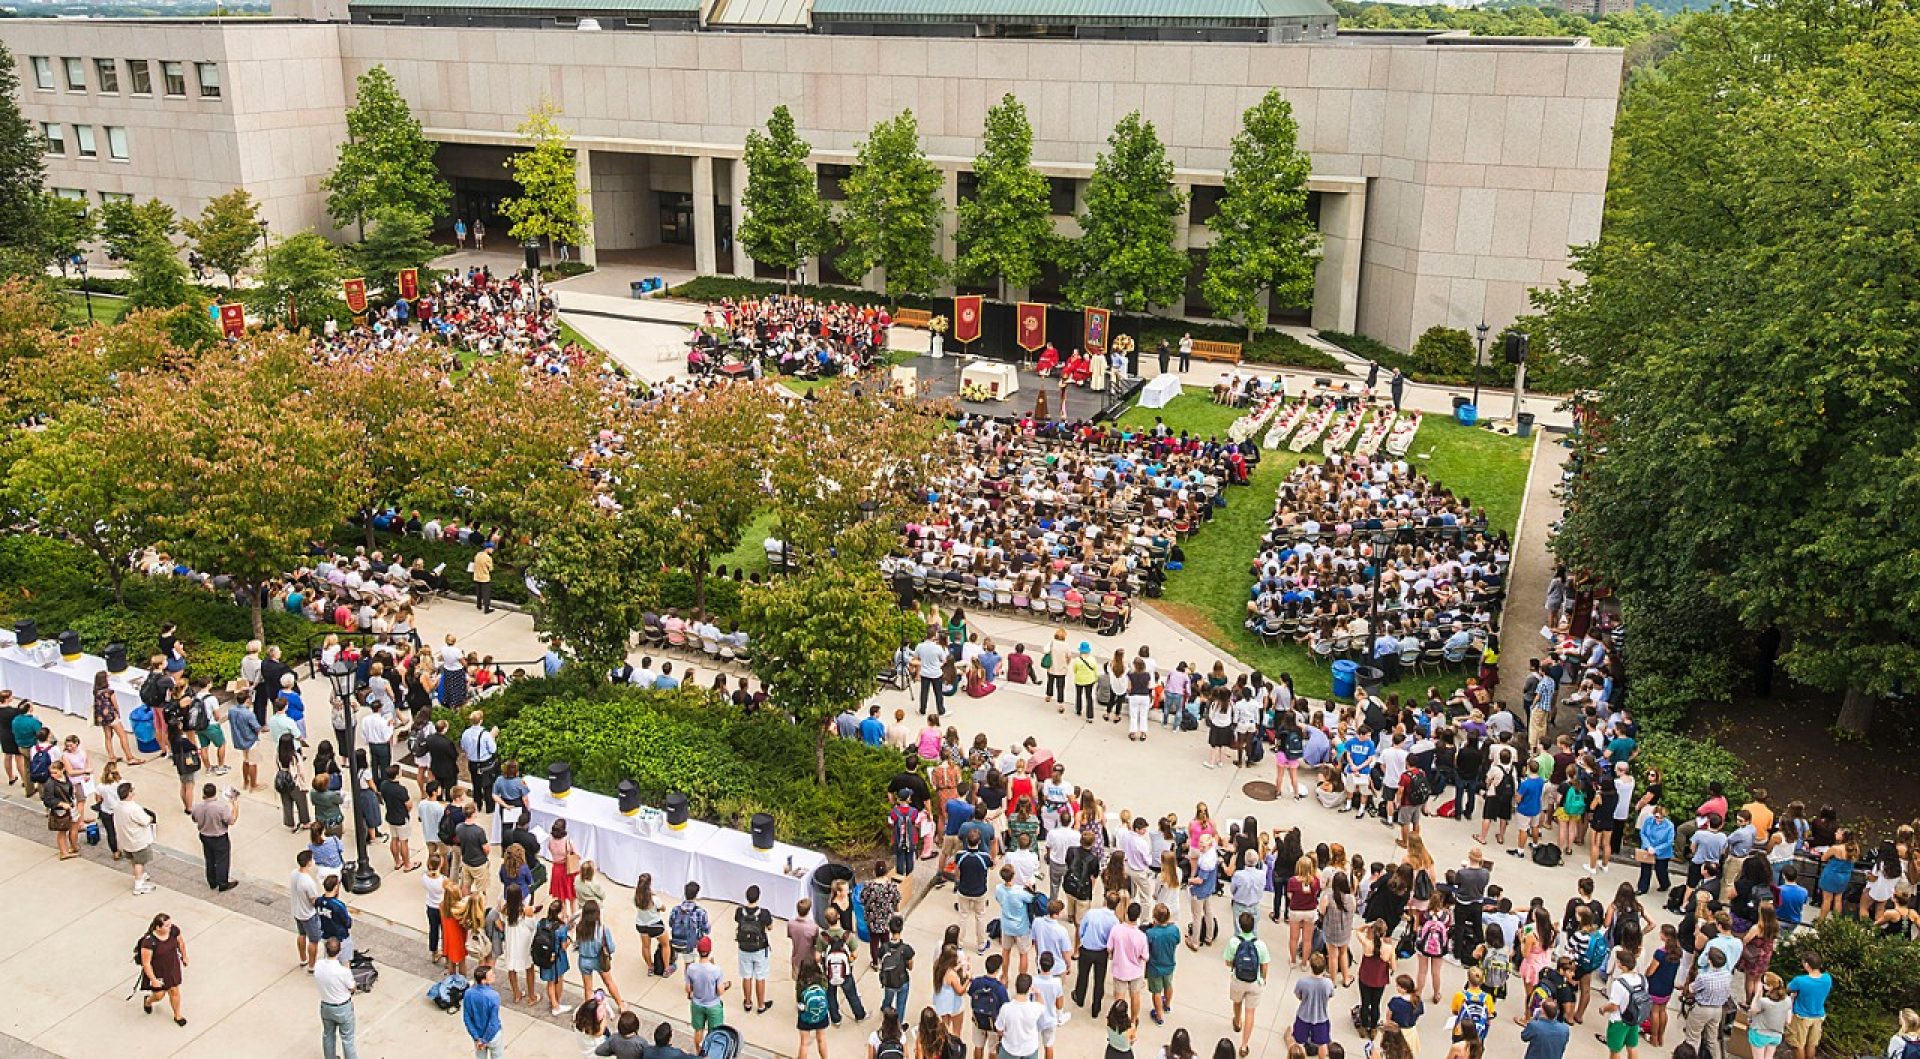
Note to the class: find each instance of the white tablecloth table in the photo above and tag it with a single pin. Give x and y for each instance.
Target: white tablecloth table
(1160, 390)
(721, 860)
(1000, 380)
(65, 686)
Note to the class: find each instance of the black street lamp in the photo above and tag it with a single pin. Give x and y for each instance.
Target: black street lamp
(86, 290)
(358, 877)
(266, 248)
(1479, 357)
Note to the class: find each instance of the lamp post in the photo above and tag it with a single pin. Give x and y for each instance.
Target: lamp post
(86, 291)
(358, 877)
(266, 248)
(1479, 357)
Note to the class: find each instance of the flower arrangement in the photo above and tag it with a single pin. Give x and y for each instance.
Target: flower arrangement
(938, 325)
(1123, 343)
(975, 391)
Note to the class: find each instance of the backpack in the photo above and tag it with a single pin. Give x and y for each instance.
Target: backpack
(684, 926)
(1497, 965)
(40, 765)
(1038, 907)
(1081, 865)
(1640, 1007)
(985, 1001)
(906, 828)
(1256, 749)
(1910, 1049)
(1574, 803)
(750, 931)
(1626, 923)
(1291, 745)
(449, 826)
(198, 715)
(838, 965)
(813, 1006)
(893, 966)
(1473, 1008)
(1419, 788)
(1433, 937)
(889, 1049)
(1507, 786)
(417, 742)
(448, 992)
(1422, 889)
(546, 945)
(1547, 855)
(1594, 956)
(1246, 959)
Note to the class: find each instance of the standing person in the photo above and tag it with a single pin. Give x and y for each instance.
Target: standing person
(1128, 953)
(1139, 691)
(1186, 351)
(593, 945)
(1163, 948)
(479, 233)
(214, 815)
(335, 982)
(399, 812)
(1768, 1018)
(1016, 921)
(1376, 971)
(812, 1013)
(483, 579)
(1090, 951)
(751, 925)
(894, 968)
(1055, 663)
(460, 233)
(163, 964)
(549, 954)
(518, 924)
(932, 660)
(1247, 955)
(61, 796)
(1086, 673)
(138, 828)
(245, 730)
(686, 925)
(106, 717)
(480, 744)
(1313, 1022)
(1711, 988)
(1629, 1004)
(706, 986)
(480, 1013)
(1810, 990)
(1545, 1034)
(303, 894)
(1024, 1022)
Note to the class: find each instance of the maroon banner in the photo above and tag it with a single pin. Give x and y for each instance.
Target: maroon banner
(356, 292)
(1097, 321)
(966, 317)
(233, 319)
(1031, 320)
(409, 283)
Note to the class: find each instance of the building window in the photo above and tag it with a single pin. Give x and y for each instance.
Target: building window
(1060, 196)
(76, 74)
(70, 194)
(83, 138)
(1206, 202)
(140, 77)
(107, 73)
(114, 196)
(117, 143)
(174, 76)
(830, 178)
(43, 72)
(55, 135)
(208, 75)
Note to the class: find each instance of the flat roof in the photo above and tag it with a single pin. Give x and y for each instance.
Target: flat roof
(1091, 12)
(548, 7)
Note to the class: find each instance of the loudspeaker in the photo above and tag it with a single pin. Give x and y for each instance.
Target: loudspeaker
(629, 793)
(762, 831)
(116, 658)
(532, 247)
(1517, 342)
(676, 807)
(70, 646)
(26, 632)
(559, 779)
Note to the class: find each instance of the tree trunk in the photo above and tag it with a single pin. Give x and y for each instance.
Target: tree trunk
(820, 756)
(700, 582)
(369, 527)
(253, 606)
(119, 579)
(1856, 712)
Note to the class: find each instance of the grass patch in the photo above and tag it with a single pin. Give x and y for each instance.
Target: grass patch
(1192, 411)
(570, 334)
(107, 309)
(749, 555)
(1488, 468)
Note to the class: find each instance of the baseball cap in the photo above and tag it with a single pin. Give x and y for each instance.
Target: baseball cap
(704, 946)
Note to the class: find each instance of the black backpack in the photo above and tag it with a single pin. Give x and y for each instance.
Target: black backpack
(1419, 788)
(890, 1049)
(546, 945)
(1081, 865)
(893, 966)
(1547, 855)
(750, 929)
(198, 715)
(449, 828)
(1291, 745)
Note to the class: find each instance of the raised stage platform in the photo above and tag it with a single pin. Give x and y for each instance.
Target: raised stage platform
(940, 380)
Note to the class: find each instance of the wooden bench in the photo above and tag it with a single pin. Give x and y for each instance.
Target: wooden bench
(1222, 351)
(912, 318)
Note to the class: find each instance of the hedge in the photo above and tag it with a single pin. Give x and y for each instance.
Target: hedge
(714, 288)
(1546, 373)
(56, 583)
(729, 763)
(1873, 978)
(1687, 766)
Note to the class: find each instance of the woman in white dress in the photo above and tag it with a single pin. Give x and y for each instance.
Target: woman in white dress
(516, 947)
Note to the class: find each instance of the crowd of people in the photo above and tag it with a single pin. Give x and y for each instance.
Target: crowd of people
(788, 335)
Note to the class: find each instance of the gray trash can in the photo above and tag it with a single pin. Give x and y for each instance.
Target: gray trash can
(1523, 426)
(820, 884)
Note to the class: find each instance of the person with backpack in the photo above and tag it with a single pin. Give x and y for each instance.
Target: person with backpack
(1416, 787)
(894, 968)
(39, 760)
(750, 927)
(686, 925)
(1289, 753)
(812, 1015)
(889, 1040)
(706, 986)
(837, 964)
(1473, 1005)
(549, 953)
(1247, 955)
(1432, 939)
(1629, 1004)
(986, 995)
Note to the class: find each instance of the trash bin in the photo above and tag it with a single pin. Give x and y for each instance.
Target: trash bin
(1371, 677)
(821, 884)
(1346, 677)
(1467, 414)
(1459, 400)
(1523, 426)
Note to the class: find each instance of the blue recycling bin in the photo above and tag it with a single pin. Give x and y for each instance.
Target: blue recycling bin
(1467, 415)
(1346, 677)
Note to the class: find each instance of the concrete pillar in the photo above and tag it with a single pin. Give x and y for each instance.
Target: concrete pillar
(703, 233)
(1336, 282)
(949, 223)
(583, 180)
(742, 262)
(1182, 238)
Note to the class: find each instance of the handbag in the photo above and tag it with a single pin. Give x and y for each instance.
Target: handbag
(1046, 660)
(1643, 855)
(573, 862)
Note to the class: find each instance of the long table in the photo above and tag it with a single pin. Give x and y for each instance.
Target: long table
(65, 686)
(722, 860)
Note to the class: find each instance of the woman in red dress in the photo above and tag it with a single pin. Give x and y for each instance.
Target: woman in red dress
(1049, 360)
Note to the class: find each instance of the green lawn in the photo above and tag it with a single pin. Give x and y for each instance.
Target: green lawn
(749, 555)
(1209, 595)
(73, 308)
(1193, 411)
(568, 334)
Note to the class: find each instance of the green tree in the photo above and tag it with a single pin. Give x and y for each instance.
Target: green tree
(394, 420)
(397, 240)
(80, 477)
(158, 279)
(1443, 351)
(595, 572)
(386, 159)
(548, 206)
(844, 468)
(893, 210)
(1750, 336)
(126, 224)
(22, 164)
(226, 233)
(1125, 248)
(1263, 239)
(1005, 231)
(819, 636)
(785, 221)
(306, 269)
(63, 228)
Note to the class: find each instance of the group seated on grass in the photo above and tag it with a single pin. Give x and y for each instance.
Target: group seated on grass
(1441, 582)
(789, 335)
(366, 591)
(1067, 520)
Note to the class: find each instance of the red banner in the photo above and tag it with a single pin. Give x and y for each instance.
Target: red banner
(1097, 321)
(233, 319)
(409, 282)
(1031, 319)
(966, 317)
(356, 292)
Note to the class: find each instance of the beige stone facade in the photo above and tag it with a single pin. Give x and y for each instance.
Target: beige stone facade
(1452, 176)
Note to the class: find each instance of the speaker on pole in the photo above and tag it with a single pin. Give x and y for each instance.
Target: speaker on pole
(1516, 347)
